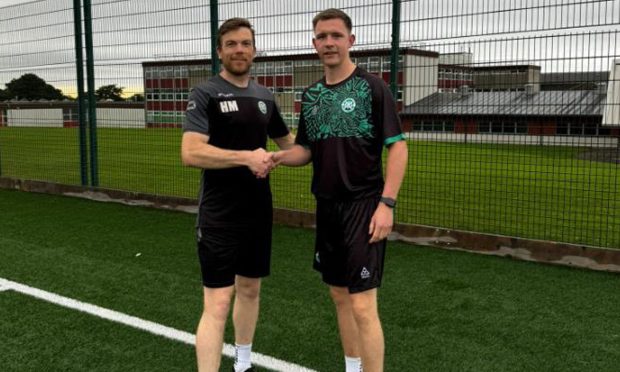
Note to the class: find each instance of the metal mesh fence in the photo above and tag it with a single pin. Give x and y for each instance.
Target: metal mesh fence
(511, 108)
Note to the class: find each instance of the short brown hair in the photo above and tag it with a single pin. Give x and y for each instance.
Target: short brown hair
(333, 14)
(234, 24)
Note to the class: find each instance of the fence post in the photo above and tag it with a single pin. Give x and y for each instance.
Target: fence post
(79, 64)
(395, 48)
(3, 117)
(215, 61)
(92, 102)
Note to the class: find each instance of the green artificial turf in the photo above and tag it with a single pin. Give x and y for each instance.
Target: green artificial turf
(39, 336)
(441, 310)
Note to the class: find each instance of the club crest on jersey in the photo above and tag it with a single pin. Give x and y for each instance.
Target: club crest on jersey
(228, 106)
(348, 105)
(262, 107)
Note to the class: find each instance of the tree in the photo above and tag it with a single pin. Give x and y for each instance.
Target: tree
(3, 95)
(32, 87)
(109, 92)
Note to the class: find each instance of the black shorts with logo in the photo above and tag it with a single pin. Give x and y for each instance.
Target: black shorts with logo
(343, 253)
(226, 251)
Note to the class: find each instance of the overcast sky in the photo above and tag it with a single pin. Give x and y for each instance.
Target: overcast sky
(558, 35)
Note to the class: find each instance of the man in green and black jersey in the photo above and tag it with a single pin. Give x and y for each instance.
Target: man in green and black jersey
(227, 123)
(346, 119)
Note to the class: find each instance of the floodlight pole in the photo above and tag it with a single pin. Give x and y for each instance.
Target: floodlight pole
(79, 66)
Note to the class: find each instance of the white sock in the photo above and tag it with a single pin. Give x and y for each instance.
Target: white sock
(243, 357)
(353, 364)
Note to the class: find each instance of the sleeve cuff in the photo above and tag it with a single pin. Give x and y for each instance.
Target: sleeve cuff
(391, 140)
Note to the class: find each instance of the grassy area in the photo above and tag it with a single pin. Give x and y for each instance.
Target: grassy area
(442, 310)
(518, 190)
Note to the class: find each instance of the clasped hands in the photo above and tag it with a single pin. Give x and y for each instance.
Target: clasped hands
(262, 162)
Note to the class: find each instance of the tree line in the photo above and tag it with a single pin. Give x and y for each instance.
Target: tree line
(32, 87)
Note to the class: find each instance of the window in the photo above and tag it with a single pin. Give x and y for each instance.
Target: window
(575, 129)
(259, 68)
(278, 68)
(288, 67)
(589, 129)
(510, 127)
(70, 115)
(269, 68)
(484, 127)
(298, 93)
(375, 64)
(385, 64)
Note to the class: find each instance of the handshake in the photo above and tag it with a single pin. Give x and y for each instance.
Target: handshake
(261, 162)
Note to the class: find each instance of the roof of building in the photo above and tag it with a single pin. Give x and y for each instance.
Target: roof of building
(574, 77)
(543, 103)
(310, 55)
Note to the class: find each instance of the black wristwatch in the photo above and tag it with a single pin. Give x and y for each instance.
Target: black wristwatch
(388, 201)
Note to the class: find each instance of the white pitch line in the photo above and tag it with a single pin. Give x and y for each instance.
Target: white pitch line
(145, 325)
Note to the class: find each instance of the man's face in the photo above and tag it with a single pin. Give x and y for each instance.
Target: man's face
(332, 41)
(237, 51)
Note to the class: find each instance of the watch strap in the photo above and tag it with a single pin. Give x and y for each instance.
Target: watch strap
(390, 202)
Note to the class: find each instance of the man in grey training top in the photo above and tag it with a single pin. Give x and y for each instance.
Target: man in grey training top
(227, 123)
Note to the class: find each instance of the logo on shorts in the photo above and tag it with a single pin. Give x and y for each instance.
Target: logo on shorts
(365, 274)
(348, 105)
(316, 257)
(262, 107)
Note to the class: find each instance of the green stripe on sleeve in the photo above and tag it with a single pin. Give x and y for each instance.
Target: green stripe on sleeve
(391, 140)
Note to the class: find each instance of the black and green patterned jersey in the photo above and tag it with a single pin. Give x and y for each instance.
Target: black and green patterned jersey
(345, 126)
(234, 119)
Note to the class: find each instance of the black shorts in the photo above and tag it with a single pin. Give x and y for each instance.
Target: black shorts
(343, 253)
(234, 250)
